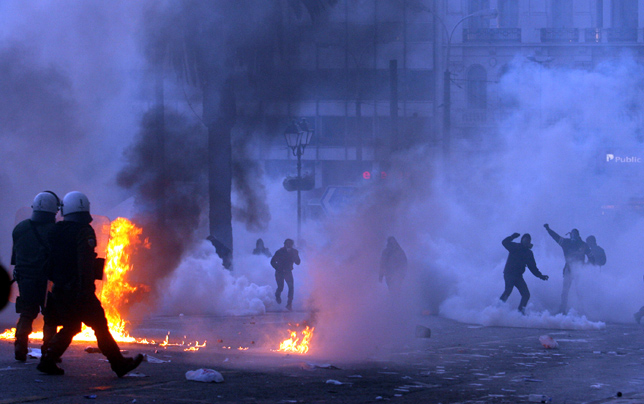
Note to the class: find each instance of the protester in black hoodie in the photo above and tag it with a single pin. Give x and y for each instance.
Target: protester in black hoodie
(575, 252)
(519, 257)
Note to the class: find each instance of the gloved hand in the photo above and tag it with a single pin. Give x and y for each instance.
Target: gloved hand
(544, 277)
(515, 235)
(546, 226)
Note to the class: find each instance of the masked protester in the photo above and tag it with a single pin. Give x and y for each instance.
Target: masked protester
(283, 261)
(73, 271)
(520, 255)
(575, 251)
(29, 256)
(393, 264)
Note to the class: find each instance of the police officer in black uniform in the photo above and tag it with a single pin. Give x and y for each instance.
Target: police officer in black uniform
(73, 242)
(283, 261)
(520, 255)
(29, 255)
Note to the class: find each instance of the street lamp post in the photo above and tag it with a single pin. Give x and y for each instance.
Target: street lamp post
(447, 78)
(298, 135)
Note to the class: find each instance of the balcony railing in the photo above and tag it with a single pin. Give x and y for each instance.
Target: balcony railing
(621, 34)
(593, 35)
(492, 35)
(559, 35)
(597, 35)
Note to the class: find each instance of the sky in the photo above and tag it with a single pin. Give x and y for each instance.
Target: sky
(73, 101)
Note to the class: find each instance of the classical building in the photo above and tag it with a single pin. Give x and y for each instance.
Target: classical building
(377, 77)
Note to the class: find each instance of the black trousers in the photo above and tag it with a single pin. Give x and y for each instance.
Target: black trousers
(31, 302)
(90, 312)
(280, 277)
(516, 281)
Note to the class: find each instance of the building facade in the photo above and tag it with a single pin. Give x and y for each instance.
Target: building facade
(375, 77)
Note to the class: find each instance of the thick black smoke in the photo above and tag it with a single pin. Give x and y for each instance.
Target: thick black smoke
(166, 171)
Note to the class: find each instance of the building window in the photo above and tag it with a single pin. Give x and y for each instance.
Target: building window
(562, 13)
(624, 13)
(478, 22)
(477, 87)
(508, 13)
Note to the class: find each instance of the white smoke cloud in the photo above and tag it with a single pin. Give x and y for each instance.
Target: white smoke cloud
(546, 163)
(71, 96)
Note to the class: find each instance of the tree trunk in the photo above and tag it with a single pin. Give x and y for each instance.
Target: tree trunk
(220, 114)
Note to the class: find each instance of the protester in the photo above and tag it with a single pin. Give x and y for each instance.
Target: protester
(393, 265)
(520, 255)
(596, 254)
(29, 255)
(283, 261)
(73, 272)
(260, 249)
(575, 251)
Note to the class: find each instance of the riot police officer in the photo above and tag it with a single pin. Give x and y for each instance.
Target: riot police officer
(29, 254)
(73, 257)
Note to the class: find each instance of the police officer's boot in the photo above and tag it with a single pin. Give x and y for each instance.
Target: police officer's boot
(48, 331)
(48, 364)
(21, 345)
(125, 365)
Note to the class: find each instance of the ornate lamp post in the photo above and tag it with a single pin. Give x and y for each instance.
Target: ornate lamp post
(447, 78)
(298, 135)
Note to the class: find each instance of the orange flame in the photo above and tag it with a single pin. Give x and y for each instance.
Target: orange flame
(115, 289)
(296, 345)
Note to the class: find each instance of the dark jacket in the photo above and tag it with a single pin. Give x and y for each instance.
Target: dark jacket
(73, 260)
(519, 257)
(393, 260)
(575, 251)
(284, 259)
(29, 253)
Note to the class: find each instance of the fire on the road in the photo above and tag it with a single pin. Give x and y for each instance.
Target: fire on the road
(297, 344)
(115, 290)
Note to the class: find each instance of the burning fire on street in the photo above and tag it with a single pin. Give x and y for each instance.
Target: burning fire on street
(115, 291)
(298, 344)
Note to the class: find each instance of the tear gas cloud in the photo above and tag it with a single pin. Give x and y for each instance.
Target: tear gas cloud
(69, 100)
(82, 126)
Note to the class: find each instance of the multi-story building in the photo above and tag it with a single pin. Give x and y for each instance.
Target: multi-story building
(573, 33)
(377, 76)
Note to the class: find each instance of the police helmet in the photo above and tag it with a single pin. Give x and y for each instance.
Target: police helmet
(46, 201)
(74, 202)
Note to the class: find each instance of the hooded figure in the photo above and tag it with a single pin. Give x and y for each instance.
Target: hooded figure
(393, 264)
(520, 255)
(575, 251)
(596, 254)
(260, 249)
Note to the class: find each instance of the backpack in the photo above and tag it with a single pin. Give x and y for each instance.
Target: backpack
(600, 255)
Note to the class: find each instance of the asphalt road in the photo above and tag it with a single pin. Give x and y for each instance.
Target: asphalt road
(460, 363)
